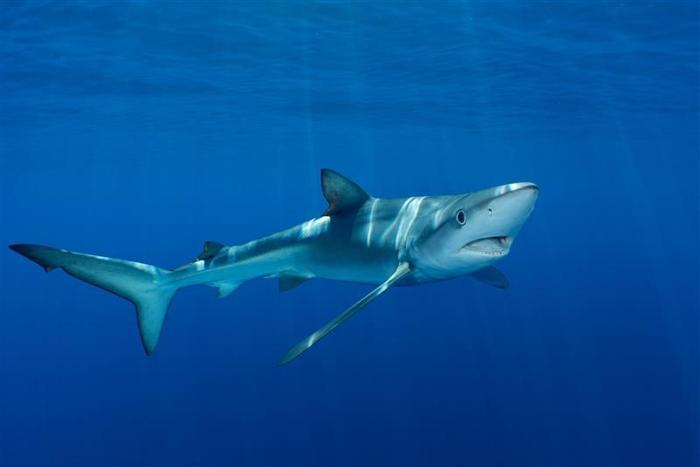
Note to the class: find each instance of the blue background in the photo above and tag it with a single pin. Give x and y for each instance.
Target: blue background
(138, 130)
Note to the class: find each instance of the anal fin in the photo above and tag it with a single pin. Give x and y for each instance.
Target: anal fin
(225, 287)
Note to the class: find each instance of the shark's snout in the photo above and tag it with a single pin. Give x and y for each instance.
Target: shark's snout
(516, 197)
(508, 206)
(497, 217)
(518, 186)
(525, 195)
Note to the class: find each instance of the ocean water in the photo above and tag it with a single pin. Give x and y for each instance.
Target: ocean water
(139, 130)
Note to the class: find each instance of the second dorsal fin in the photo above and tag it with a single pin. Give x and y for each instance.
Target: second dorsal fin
(210, 250)
(342, 194)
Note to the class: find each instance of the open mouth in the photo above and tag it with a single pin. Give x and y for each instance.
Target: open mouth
(491, 246)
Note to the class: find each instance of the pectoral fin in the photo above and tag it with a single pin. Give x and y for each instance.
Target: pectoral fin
(301, 347)
(289, 282)
(491, 276)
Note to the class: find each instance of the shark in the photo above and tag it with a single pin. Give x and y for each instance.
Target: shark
(359, 238)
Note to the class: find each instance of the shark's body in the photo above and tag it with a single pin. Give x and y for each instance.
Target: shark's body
(359, 238)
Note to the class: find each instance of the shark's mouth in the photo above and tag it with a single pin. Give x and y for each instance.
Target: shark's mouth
(490, 246)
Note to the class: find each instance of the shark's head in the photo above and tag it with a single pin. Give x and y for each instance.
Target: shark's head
(468, 232)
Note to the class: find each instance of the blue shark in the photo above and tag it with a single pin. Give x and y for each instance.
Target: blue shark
(359, 238)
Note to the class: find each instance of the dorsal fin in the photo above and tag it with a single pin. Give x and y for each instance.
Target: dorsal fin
(342, 194)
(210, 250)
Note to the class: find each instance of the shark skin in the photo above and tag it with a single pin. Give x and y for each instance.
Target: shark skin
(385, 242)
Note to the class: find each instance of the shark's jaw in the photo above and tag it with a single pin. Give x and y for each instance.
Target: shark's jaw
(498, 246)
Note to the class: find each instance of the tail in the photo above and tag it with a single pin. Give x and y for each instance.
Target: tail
(146, 286)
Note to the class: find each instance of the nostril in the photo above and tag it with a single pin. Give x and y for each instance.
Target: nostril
(490, 211)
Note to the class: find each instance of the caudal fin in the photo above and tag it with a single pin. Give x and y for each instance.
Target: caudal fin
(146, 286)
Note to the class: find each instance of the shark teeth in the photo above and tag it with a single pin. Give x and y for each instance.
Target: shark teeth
(492, 246)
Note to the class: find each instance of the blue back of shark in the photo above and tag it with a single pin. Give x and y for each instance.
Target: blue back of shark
(186, 141)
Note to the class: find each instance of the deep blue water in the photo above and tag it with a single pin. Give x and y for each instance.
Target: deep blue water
(140, 130)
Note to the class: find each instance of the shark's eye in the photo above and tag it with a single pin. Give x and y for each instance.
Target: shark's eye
(460, 217)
